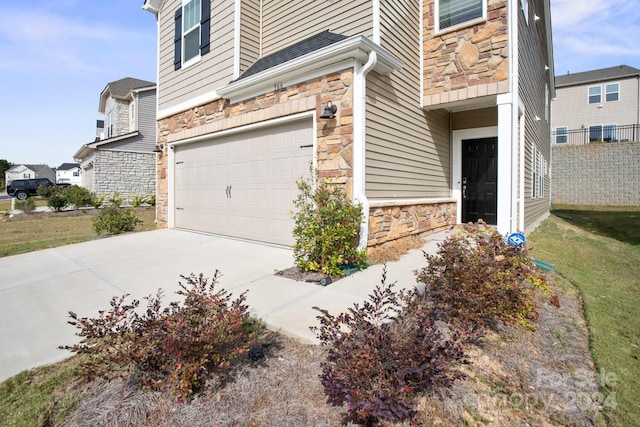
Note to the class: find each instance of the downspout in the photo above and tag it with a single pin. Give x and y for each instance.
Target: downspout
(359, 137)
(515, 122)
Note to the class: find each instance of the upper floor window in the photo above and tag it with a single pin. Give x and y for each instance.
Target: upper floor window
(612, 92)
(192, 31)
(452, 13)
(595, 94)
(561, 134)
(110, 124)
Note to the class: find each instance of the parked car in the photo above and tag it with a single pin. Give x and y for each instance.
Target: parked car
(23, 188)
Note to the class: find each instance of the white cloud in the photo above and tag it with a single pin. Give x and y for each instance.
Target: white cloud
(37, 41)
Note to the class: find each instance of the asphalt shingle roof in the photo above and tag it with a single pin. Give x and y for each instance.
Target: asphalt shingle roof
(296, 50)
(68, 166)
(121, 88)
(601, 75)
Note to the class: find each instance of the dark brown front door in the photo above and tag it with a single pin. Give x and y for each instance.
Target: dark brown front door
(479, 180)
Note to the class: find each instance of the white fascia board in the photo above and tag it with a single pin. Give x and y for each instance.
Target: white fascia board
(356, 48)
(188, 104)
(153, 6)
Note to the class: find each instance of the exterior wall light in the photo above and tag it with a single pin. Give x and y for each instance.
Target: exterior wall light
(329, 111)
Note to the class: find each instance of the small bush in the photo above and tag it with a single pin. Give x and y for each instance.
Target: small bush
(382, 354)
(138, 200)
(57, 199)
(45, 191)
(327, 226)
(97, 200)
(177, 347)
(478, 278)
(79, 197)
(27, 206)
(151, 199)
(116, 200)
(115, 220)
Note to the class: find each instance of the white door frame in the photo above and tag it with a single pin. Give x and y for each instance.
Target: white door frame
(456, 167)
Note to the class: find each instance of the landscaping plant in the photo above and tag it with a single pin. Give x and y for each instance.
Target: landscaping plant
(477, 278)
(27, 206)
(115, 220)
(177, 347)
(77, 196)
(327, 226)
(383, 353)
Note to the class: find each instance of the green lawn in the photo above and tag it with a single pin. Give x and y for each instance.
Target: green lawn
(598, 251)
(28, 235)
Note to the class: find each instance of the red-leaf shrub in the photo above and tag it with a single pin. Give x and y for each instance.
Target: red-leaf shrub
(177, 347)
(476, 277)
(382, 354)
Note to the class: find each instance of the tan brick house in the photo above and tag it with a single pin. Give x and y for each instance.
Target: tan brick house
(439, 109)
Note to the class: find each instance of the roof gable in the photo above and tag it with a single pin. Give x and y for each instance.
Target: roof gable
(594, 76)
(122, 89)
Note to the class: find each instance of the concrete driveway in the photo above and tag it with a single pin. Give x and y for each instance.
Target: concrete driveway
(38, 289)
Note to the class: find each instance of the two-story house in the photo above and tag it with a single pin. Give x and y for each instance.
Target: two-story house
(69, 173)
(429, 113)
(597, 105)
(122, 157)
(25, 171)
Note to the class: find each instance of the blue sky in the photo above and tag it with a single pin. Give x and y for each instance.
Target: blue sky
(56, 56)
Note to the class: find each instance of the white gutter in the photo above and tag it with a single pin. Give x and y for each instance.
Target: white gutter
(236, 39)
(513, 64)
(359, 139)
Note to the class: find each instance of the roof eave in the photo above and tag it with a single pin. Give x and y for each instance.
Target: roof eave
(153, 6)
(356, 48)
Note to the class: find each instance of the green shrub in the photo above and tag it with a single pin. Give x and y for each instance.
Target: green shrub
(327, 226)
(138, 200)
(97, 200)
(27, 206)
(116, 200)
(45, 191)
(57, 199)
(115, 220)
(77, 196)
(151, 199)
(478, 278)
(177, 347)
(383, 354)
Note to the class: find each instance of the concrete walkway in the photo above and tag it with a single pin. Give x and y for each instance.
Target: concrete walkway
(38, 289)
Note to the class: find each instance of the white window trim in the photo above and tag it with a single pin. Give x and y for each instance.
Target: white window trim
(605, 91)
(196, 58)
(534, 171)
(524, 4)
(436, 19)
(566, 135)
(589, 95)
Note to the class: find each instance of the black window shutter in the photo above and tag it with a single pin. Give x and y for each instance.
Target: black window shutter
(205, 26)
(177, 40)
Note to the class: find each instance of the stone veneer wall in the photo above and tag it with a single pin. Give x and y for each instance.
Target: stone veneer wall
(121, 113)
(334, 136)
(391, 223)
(124, 172)
(467, 63)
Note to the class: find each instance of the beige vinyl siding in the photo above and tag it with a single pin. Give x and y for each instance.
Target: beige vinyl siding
(474, 118)
(532, 77)
(289, 21)
(407, 149)
(215, 69)
(249, 33)
(571, 107)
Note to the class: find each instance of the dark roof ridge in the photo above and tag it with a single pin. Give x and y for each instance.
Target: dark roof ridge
(599, 75)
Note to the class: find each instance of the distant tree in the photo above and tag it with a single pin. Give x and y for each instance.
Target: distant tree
(5, 165)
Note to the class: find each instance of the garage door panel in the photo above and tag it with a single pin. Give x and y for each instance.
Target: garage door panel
(260, 167)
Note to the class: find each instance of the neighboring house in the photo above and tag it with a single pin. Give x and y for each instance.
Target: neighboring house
(441, 112)
(69, 173)
(29, 172)
(121, 159)
(598, 105)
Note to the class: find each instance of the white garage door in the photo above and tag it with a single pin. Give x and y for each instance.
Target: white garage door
(243, 185)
